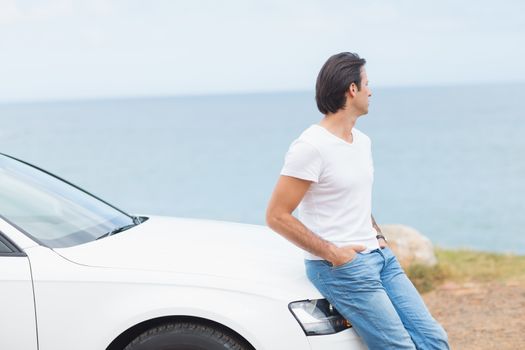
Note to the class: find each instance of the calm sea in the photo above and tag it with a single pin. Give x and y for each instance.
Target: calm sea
(449, 161)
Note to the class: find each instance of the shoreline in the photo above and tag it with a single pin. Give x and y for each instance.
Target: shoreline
(467, 266)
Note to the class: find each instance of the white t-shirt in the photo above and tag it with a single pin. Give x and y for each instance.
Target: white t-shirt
(338, 204)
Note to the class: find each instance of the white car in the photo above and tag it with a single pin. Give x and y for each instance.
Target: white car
(76, 273)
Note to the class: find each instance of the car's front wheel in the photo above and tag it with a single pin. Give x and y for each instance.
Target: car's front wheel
(186, 336)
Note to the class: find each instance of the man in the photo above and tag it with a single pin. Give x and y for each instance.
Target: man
(328, 173)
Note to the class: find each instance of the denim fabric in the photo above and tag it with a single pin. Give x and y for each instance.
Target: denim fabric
(373, 292)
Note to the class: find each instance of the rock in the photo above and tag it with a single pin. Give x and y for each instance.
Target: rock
(409, 245)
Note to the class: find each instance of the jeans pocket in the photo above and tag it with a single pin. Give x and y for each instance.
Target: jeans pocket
(387, 250)
(346, 264)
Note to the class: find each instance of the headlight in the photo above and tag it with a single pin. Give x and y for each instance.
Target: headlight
(318, 317)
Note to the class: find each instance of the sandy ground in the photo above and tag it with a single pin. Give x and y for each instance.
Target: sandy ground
(481, 316)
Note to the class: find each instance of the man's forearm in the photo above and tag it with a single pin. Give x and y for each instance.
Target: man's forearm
(374, 224)
(382, 240)
(296, 232)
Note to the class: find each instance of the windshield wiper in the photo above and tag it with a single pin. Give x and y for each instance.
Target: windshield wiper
(138, 219)
(117, 230)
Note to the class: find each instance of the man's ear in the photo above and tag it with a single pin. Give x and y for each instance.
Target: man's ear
(352, 90)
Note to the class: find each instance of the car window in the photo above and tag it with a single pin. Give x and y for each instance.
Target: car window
(4, 248)
(50, 210)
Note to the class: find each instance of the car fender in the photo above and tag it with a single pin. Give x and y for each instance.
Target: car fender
(66, 292)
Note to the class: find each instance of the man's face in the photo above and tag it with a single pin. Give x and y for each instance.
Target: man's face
(362, 96)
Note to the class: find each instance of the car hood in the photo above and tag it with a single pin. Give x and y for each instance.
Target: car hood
(217, 254)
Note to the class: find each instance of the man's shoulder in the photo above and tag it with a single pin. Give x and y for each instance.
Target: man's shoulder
(313, 136)
(359, 132)
(362, 135)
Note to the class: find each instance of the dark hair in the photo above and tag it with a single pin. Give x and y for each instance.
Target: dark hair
(334, 79)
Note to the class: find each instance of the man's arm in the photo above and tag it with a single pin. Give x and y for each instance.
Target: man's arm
(382, 242)
(286, 196)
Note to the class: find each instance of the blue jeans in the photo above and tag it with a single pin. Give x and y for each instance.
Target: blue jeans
(373, 292)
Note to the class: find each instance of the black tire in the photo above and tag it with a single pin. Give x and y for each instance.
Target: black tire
(186, 336)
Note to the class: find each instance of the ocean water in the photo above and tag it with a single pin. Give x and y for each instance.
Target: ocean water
(449, 161)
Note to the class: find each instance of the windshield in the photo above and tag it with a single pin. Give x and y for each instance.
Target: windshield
(50, 210)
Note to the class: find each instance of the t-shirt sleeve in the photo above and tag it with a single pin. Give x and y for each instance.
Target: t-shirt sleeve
(302, 161)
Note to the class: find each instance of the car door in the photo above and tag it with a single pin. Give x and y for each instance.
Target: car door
(17, 307)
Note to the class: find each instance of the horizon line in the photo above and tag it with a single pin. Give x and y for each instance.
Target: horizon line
(109, 98)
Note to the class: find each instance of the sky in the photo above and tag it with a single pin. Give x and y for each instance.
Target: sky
(77, 49)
